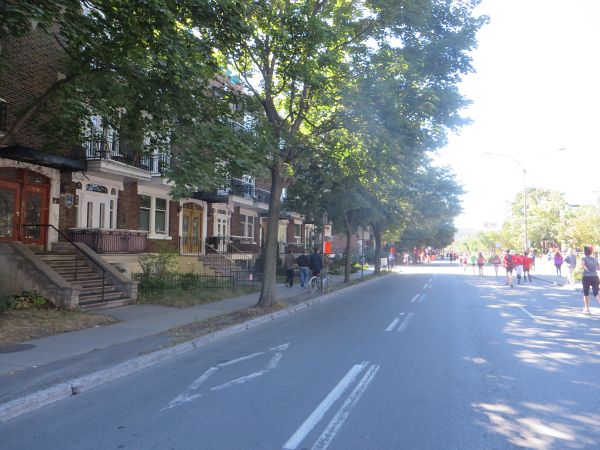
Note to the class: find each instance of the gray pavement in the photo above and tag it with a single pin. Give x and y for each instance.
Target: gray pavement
(41, 371)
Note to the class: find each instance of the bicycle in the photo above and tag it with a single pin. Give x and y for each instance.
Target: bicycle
(320, 282)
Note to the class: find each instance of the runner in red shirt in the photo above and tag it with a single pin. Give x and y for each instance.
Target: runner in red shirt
(518, 260)
(527, 266)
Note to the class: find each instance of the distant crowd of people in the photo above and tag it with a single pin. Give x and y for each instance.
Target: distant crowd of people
(521, 265)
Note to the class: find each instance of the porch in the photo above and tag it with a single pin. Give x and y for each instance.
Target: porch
(111, 241)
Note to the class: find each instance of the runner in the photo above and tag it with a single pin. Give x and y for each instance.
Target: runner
(589, 264)
(495, 260)
(571, 261)
(473, 262)
(480, 263)
(518, 262)
(527, 262)
(509, 265)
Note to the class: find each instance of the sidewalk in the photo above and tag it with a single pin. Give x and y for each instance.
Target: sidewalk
(44, 370)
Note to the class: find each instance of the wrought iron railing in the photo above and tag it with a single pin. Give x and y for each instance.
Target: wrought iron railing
(262, 196)
(114, 150)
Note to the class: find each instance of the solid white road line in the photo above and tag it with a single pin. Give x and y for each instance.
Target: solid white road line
(528, 313)
(274, 361)
(180, 400)
(338, 420)
(421, 298)
(281, 347)
(320, 411)
(412, 300)
(202, 378)
(240, 380)
(243, 358)
(405, 322)
(426, 286)
(392, 325)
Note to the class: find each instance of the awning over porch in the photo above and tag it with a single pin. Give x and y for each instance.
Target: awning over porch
(42, 158)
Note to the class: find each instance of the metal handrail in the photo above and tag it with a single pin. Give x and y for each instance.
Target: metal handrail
(76, 248)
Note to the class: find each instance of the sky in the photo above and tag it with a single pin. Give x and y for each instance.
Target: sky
(535, 89)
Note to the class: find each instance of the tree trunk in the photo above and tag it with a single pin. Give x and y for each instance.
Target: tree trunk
(268, 294)
(377, 234)
(348, 267)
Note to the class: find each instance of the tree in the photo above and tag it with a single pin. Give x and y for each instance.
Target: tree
(140, 68)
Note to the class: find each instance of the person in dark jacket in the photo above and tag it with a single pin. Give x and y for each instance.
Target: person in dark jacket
(315, 262)
(303, 265)
(288, 265)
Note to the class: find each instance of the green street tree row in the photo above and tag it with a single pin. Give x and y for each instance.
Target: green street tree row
(347, 100)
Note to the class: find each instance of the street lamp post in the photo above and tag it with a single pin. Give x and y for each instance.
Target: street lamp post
(524, 170)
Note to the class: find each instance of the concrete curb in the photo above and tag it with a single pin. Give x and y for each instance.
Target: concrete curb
(39, 399)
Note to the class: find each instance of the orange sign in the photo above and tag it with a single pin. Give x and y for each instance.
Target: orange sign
(326, 248)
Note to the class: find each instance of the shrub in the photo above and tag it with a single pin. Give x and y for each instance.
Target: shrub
(24, 300)
(159, 264)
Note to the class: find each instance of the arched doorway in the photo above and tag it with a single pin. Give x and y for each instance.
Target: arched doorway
(24, 199)
(191, 228)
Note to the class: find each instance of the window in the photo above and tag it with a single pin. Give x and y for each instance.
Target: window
(102, 215)
(297, 230)
(90, 214)
(160, 216)
(111, 217)
(248, 226)
(96, 188)
(221, 226)
(145, 207)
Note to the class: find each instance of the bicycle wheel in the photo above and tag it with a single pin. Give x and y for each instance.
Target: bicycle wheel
(325, 284)
(313, 284)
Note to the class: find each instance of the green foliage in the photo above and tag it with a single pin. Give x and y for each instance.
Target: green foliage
(156, 265)
(24, 300)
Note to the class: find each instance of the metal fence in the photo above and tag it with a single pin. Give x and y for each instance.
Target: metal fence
(153, 282)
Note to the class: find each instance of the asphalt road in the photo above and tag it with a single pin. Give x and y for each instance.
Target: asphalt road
(433, 358)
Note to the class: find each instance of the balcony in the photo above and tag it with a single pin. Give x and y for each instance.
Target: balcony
(117, 157)
(263, 197)
(111, 241)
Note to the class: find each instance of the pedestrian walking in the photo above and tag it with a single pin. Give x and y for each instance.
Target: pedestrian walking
(571, 261)
(589, 264)
(558, 262)
(480, 263)
(303, 267)
(527, 262)
(288, 265)
(508, 265)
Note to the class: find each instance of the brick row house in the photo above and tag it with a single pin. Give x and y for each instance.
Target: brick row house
(110, 200)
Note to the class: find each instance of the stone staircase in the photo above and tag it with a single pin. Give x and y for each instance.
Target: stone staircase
(222, 265)
(81, 275)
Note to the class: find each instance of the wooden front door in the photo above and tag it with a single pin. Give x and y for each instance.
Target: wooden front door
(191, 230)
(10, 207)
(34, 210)
(24, 199)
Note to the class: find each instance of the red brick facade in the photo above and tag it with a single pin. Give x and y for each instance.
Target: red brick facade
(128, 209)
(31, 67)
